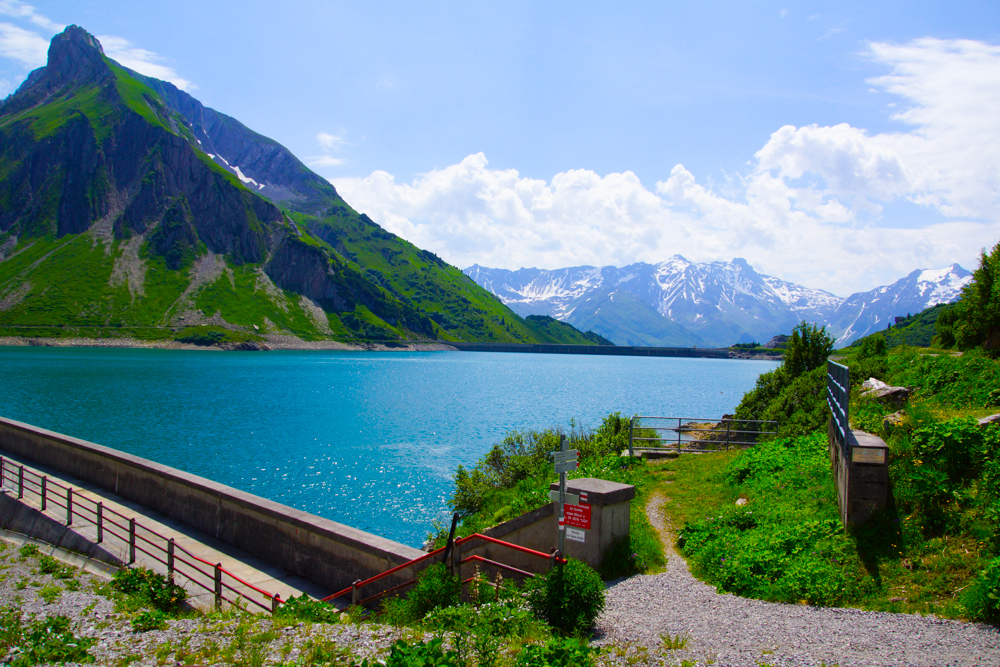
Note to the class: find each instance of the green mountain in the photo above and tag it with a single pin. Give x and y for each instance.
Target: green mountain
(126, 206)
(916, 330)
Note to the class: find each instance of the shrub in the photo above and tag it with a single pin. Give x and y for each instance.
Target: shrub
(423, 654)
(149, 586)
(983, 599)
(50, 640)
(568, 597)
(305, 608)
(145, 621)
(435, 588)
(556, 652)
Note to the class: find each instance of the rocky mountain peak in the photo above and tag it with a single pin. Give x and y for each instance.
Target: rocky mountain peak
(75, 55)
(75, 58)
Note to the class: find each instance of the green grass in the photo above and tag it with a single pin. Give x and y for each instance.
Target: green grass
(929, 550)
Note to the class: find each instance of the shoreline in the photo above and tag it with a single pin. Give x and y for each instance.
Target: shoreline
(289, 342)
(273, 342)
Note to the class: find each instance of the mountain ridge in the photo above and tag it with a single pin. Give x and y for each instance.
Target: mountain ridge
(681, 303)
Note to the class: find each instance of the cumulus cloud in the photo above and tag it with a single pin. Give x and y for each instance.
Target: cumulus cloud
(807, 210)
(28, 47)
(141, 60)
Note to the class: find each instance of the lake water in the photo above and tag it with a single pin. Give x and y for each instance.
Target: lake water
(369, 439)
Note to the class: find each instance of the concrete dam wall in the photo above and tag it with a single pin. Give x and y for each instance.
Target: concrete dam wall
(322, 551)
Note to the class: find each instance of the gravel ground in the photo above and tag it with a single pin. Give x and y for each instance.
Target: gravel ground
(740, 632)
(203, 640)
(723, 630)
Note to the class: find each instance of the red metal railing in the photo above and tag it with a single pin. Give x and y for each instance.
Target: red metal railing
(355, 588)
(133, 536)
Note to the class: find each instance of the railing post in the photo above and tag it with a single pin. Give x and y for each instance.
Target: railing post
(44, 484)
(631, 421)
(678, 436)
(20, 483)
(728, 423)
(355, 592)
(218, 585)
(456, 560)
(100, 522)
(131, 541)
(170, 561)
(275, 603)
(69, 506)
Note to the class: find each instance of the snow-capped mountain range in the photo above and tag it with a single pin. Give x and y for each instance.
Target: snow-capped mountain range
(709, 304)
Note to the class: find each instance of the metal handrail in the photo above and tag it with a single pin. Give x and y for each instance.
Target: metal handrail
(69, 500)
(712, 436)
(838, 392)
(358, 585)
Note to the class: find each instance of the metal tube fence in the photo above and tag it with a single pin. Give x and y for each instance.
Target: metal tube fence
(130, 537)
(838, 393)
(695, 435)
(454, 549)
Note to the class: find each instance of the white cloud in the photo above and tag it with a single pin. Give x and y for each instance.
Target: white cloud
(23, 45)
(20, 10)
(329, 141)
(141, 60)
(808, 210)
(324, 161)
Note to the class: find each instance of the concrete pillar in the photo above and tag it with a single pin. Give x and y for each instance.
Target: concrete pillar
(861, 469)
(607, 507)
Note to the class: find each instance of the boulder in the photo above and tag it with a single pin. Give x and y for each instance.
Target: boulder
(992, 419)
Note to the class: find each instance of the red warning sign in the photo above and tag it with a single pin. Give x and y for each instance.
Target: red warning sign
(578, 516)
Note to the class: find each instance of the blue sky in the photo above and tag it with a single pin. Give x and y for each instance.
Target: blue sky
(839, 145)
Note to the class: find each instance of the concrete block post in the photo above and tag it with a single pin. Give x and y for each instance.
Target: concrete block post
(275, 603)
(861, 470)
(603, 518)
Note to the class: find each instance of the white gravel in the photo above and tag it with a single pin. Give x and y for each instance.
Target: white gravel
(740, 632)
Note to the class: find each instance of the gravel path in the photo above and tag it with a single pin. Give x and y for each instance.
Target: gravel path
(737, 632)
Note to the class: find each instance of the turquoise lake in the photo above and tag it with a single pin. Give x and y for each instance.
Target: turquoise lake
(369, 439)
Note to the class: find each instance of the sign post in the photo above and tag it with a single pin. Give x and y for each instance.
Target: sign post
(564, 460)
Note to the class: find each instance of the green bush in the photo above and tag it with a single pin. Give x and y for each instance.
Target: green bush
(983, 598)
(305, 608)
(436, 587)
(954, 382)
(423, 654)
(145, 621)
(149, 586)
(10, 628)
(787, 544)
(568, 597)
(204, 339)
(49, 641)
(557, 652)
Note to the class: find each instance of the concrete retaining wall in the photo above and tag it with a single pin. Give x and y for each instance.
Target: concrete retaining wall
(319, 550)
(20, 518)
(609, 508)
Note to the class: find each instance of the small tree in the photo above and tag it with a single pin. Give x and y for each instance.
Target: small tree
(977, 317)
(807, 349)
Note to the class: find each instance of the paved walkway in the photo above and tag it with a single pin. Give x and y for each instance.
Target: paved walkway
(239, 563)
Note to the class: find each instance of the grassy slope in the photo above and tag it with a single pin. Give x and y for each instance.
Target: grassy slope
(916, 330)
(786, 543)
